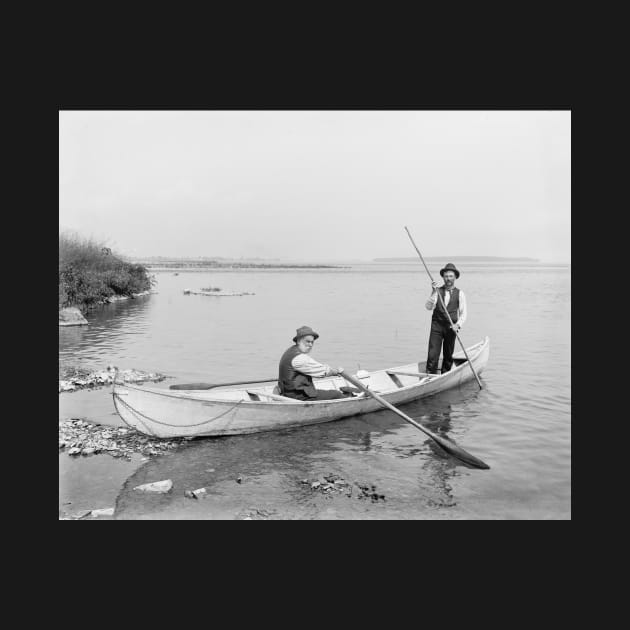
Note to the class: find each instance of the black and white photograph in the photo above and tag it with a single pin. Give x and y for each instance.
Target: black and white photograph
(314, 314)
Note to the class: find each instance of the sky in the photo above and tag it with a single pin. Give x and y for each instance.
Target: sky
(318, 185)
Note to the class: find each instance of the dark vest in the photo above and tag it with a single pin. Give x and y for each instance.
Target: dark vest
(452, 306)
(290, 380)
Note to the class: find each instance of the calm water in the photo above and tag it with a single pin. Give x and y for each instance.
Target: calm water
(371, 316)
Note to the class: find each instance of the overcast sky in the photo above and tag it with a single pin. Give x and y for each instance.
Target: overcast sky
(318, 185)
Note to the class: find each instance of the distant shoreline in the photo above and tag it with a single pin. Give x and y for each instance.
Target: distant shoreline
(460, 259)
(192, 266)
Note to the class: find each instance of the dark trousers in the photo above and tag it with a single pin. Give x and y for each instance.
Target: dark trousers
(322, 394)
(441, 338)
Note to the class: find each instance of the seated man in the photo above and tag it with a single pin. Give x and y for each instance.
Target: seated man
(296, 370)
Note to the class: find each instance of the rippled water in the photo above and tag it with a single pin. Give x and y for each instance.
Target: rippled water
(372, 316)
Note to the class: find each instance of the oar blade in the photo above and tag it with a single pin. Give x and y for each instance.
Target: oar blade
(457, 451)
(193, 386)
(449, 446)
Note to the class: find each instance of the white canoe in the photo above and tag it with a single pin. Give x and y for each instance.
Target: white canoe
(242, 409)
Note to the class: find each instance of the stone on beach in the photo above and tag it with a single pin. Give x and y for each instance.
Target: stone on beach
(200, 493)
(102, 512)
(157, 486)
(71, 316)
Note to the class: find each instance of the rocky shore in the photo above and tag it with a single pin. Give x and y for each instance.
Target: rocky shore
(78, 437)
(72, 315)
(73, 379)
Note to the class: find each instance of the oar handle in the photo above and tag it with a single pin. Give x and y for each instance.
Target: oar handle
(444, 307)
(213, 385)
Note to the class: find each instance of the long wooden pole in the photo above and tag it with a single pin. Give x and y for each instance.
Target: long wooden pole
(448, 445)
(444, 307)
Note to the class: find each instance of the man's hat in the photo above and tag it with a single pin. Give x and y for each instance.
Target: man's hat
(302, 331)
(449, 267)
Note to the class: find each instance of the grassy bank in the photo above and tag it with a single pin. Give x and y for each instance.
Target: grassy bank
(89, 273)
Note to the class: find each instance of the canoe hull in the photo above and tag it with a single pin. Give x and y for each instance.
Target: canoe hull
(168, 414)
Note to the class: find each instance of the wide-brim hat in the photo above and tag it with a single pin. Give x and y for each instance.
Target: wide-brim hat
(449, 267)
(302, 331)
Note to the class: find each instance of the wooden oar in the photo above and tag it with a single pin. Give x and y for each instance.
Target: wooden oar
(448, 445)
(212, 386)
(444, 307)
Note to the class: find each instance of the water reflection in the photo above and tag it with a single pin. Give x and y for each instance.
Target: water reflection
(106, 325)
(374, 449)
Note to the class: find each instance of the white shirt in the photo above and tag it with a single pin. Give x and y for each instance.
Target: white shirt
(305, 364)
(461, 311)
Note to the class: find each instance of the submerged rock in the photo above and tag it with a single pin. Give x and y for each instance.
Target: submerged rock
(256, 514)
(332, 484)
(200, 493)
(157, 486)
(71, 316)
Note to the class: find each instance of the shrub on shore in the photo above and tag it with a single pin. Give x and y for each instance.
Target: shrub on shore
(89, 273)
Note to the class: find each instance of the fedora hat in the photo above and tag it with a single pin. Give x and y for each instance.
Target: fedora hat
(449, 267)
(302, 331)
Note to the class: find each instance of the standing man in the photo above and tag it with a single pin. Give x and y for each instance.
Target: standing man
(442, 333)
(296, 370)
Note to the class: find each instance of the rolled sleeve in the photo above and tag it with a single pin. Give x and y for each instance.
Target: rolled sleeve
(306, 365)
